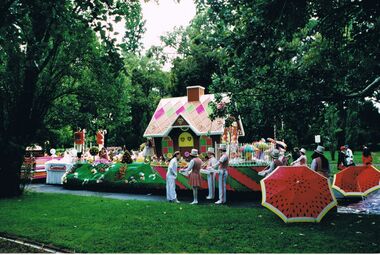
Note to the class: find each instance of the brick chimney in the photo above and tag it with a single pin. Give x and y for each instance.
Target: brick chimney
(194, 93)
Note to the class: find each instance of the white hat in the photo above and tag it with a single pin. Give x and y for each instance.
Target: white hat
(303, 150)
(211, 150)
(320, 149)
(222, 146)
(275, 154)
(194, 152)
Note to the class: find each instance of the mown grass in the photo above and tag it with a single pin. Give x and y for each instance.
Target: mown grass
(94, 224)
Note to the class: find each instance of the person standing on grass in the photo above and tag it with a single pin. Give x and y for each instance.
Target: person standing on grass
(349, 156)
(320, 164)
(222, 164)
(211, 176)
(171, 176)
(302, 159)
(366, 156)
(195, 176)
(341, 158)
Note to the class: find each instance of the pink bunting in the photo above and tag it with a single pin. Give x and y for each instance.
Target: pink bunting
(159, 113)
(200, 109)
(181, 109)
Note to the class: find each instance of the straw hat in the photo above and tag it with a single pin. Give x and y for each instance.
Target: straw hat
(194, 153)
(320, 149)
(211, 150)
(303, 151)
(275, 154)
(222, 147)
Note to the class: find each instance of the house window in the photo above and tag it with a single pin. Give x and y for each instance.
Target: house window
(185, 140)
(167, 146)
(205, 143)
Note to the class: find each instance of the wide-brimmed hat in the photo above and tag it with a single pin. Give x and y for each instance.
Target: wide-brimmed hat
(320, 149)
(303, 151)
(222, 146)
(211, 150)
(275, 154)
(194, 153)
(176, 152)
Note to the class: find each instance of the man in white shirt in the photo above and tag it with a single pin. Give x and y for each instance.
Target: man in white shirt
(171, 176)
(223, 174)
(211, 176)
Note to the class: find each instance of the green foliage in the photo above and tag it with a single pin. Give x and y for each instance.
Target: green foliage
(95, 224)
(148, 84)
(54, 49)
(286, 62)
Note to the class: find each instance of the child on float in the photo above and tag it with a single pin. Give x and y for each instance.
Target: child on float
(301, 160)
(275, 154)
(194, 168)
(171, 176)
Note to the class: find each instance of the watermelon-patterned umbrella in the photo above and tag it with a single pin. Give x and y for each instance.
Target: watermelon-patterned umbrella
(297, 194)
(357, 180)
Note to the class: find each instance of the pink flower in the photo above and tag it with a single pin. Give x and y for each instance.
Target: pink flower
(221, 106)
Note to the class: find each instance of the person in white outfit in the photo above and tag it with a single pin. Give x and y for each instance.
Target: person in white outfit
(171, 176)
(211, 176)
(301, 160)
(223, 174)
(349, 156)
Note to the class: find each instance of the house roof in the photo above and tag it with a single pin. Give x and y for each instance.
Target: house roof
(194, 113)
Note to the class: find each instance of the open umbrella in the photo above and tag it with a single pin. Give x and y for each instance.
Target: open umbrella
(357, 180)
(297, 194)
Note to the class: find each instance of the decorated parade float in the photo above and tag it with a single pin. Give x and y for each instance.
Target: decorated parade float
(179, 123)
(35, 162)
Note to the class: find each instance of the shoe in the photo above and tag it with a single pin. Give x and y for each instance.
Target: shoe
(194, 203)
(177, 201)
(262, 173)
(208, 197)
(218, 202)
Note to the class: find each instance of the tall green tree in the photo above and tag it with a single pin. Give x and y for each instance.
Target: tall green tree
(46, 47)
(286, 59)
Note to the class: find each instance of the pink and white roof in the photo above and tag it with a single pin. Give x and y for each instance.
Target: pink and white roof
(194, 113)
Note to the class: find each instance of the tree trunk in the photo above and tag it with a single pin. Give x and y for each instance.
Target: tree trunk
(11, 160)
(342, 125)
(332, 151)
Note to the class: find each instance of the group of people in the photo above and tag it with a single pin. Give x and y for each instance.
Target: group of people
(214, 167)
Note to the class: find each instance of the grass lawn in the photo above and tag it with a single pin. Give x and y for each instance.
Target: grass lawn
(94, 224)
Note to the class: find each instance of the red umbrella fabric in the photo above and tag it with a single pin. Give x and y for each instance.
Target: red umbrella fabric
(357, 180)
(297, 194)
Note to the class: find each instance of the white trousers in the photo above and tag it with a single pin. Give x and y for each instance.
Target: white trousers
(211, 184)
(222, 185)
(170, 188)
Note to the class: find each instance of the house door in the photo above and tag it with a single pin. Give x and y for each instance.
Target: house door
(185, 142)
